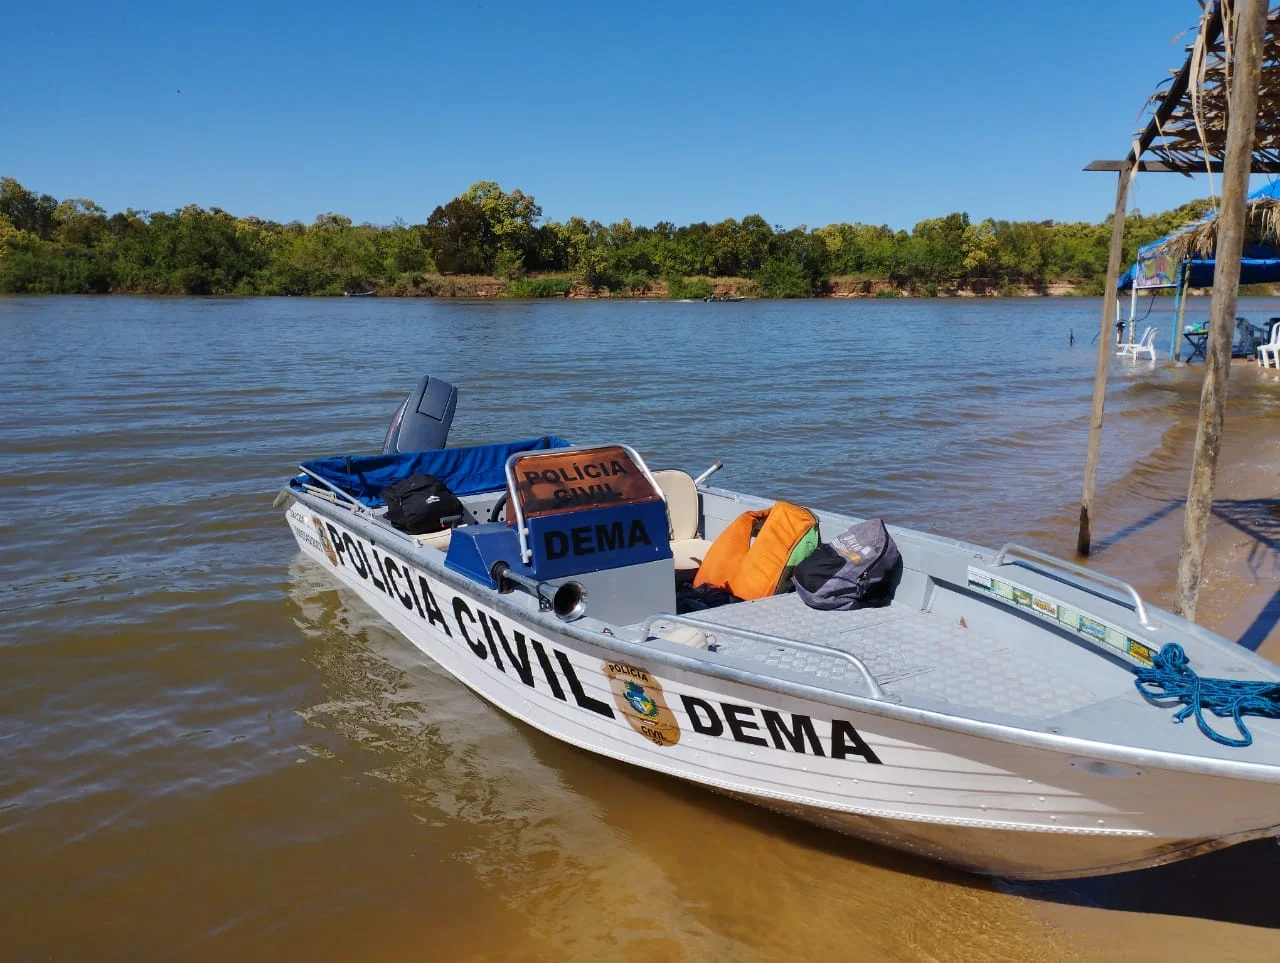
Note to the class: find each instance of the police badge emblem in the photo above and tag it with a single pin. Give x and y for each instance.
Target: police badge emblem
(639, 696)
(324, 540)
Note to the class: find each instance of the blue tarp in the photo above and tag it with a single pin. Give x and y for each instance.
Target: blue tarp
(467, 471)
(1259, 263)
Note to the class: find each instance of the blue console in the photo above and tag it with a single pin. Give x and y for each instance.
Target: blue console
(563, 545)
(473, 550)
(595, 539)
(593, 517)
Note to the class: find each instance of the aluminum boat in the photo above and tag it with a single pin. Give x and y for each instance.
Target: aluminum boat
(986, 717)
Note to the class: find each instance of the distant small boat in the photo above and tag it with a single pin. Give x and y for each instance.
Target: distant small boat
(360, 294)
(725, 297)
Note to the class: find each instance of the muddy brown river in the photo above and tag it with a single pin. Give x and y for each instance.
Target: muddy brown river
(211, 752)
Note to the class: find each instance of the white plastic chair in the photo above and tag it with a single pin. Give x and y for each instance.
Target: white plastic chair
(1144, 345)
(1268, 354)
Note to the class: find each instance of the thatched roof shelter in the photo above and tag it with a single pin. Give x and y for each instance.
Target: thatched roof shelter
(1189, 132)
(1187, 128)
(1190, 119)
(1262, 226)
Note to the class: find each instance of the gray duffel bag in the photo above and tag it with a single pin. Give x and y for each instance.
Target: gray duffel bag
(857, 569)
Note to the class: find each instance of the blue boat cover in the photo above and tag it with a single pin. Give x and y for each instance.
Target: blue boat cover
(467, 471)
(1259, 263)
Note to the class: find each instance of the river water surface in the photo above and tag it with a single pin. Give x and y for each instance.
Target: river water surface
(210, 752)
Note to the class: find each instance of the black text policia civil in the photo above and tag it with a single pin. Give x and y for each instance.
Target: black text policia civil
(586, 493)
(485, 638)
(592, 471)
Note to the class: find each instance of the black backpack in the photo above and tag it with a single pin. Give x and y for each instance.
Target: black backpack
(859, 568)
(421, 504)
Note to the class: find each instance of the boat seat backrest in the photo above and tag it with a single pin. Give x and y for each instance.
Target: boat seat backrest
(682, 502)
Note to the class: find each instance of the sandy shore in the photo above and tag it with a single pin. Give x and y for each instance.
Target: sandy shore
(1140, 519)
(1221, 905)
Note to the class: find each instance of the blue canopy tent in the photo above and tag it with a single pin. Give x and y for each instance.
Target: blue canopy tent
(1259, 264)
(1154, 269)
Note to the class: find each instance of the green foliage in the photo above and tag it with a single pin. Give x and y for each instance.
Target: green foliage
(461, 238)
(402, 250)
(935, 251)
(595, 268)
(32, 266)
(638, 282)
(74, 246)
(539, 288)
(508, 264)
(511, 221)
(27, 212)
(694, 288)
(784, 279)
(8, 233)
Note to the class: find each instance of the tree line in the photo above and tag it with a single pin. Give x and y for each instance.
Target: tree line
(74, 246)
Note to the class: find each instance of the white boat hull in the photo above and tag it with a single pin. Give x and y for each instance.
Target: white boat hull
(986, 802)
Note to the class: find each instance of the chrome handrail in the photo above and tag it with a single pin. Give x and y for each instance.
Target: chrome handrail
(1030, 554)
(872, 683)
(346, 496)
(708, 473)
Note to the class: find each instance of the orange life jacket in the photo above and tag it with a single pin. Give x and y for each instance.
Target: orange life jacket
(753, 557)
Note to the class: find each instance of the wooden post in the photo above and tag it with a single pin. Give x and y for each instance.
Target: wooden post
(1109, 300)
(1241, 121)
(1184, 276)
(1209, 33)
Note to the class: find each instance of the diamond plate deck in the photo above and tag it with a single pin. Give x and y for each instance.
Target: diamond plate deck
(916, 655)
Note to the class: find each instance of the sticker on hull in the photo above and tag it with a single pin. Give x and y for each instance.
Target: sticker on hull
(640, 698)
(324, 538)
(1052, 610)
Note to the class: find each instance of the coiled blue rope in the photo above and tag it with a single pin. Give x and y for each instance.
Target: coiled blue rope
(1172, 675)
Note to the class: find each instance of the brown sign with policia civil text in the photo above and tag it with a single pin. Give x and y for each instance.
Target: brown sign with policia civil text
(555, 481)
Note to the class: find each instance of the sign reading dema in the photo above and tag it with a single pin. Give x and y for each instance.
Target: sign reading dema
(552, 482)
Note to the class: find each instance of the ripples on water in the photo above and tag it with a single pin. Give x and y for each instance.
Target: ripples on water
(215, 752)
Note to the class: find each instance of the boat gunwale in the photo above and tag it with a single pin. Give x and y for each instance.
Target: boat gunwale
(433, 560)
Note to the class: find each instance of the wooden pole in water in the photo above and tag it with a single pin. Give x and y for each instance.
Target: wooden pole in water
(1180, 312)
(1242, 117)
(1109, 300)
(1210, 33)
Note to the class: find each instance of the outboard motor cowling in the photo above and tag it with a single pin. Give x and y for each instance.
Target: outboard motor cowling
(422, 421)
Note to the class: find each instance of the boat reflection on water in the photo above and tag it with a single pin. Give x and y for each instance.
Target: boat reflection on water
(476, 776)
(595, 855)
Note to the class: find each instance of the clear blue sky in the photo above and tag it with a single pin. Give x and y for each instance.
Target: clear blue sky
(803, 112)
